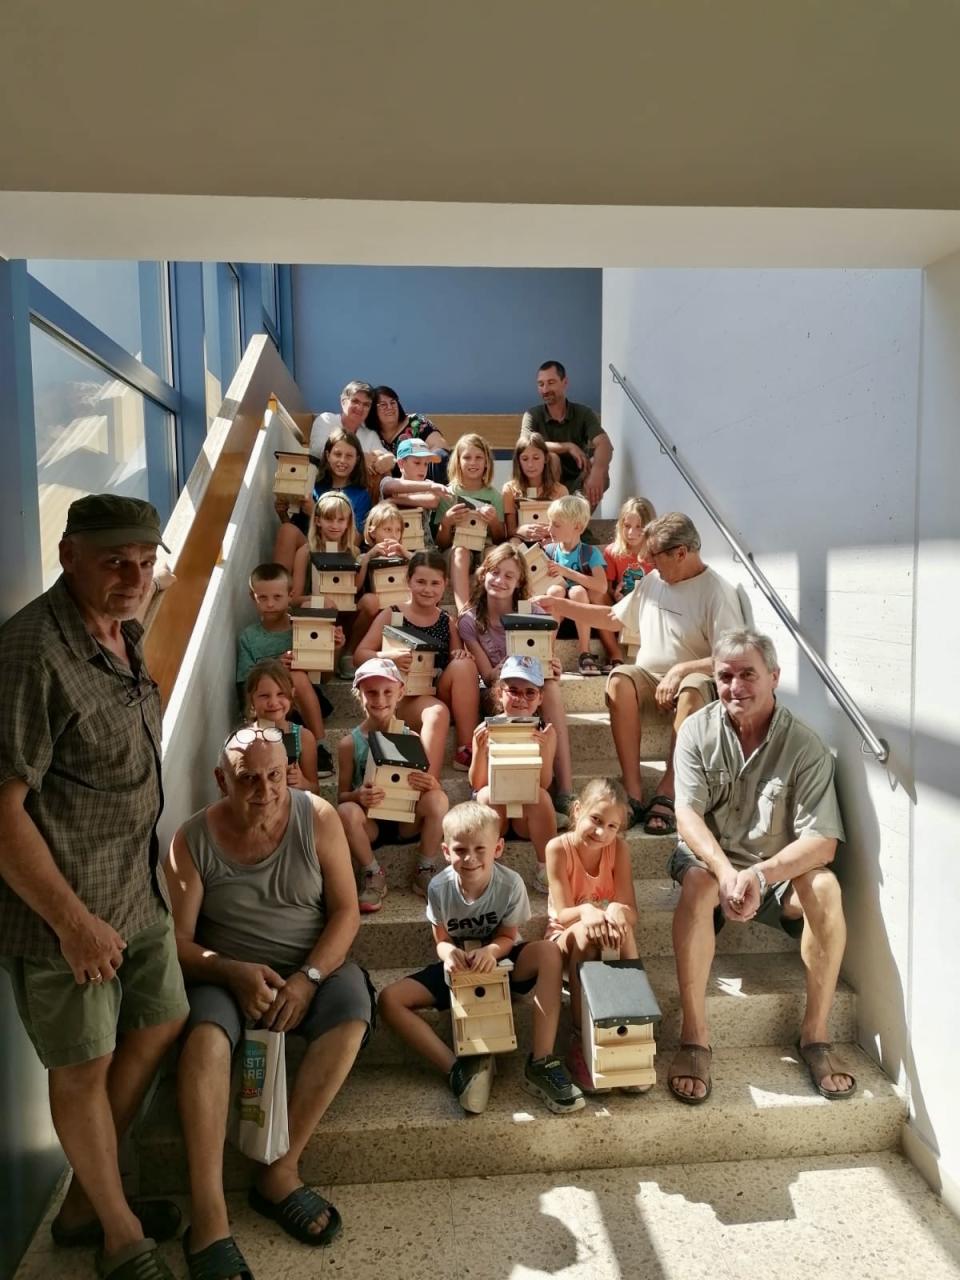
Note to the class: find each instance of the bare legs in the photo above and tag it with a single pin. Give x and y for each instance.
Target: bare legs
(430, 718)
(459, 688)
(627, 713)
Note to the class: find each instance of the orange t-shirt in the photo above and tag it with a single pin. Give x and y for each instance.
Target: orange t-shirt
(598, 889)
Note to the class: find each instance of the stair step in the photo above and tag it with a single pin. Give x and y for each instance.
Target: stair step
(398, 934)
(750, 1001)
(396, 1123)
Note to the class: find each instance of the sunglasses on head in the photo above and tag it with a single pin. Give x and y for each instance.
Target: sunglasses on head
(244, 737)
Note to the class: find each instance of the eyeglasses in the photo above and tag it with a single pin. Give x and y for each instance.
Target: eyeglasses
(244, 737)
(386, 402)
(526, 695)
(138, 693)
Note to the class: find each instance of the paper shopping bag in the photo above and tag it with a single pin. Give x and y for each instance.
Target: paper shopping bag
(258, 1111)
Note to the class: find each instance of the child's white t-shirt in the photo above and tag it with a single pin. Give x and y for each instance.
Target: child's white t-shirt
(504, 903)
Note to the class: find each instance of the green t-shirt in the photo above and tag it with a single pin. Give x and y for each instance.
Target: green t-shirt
(256, 644)
(493, 496)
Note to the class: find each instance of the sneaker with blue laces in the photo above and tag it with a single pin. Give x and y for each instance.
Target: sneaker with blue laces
(548, 1079)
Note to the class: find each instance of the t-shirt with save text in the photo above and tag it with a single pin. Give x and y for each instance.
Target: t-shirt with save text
(679, 622)
(503, 904)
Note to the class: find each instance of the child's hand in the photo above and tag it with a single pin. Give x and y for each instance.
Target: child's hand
(295, 777)
(556, 666)
(369, 796)
(391, 547)
(402, 661)
(480, 735)
(483, 960)
(488, 514)
(544, 734)
(554, 570)
(617, 918)
(339, 639)
(281, 505)
(287, 659)
(459, 653)
(456, 961)
(458, 513)
(422, 781)
(618, 591)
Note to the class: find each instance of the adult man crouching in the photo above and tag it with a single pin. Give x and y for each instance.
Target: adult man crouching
(759, 824)
(265, 906)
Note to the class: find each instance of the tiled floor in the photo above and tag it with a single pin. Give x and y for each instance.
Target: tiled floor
(865, 1217)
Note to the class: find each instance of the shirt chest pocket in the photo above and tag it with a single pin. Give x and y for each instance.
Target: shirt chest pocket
(719, 785)
(773, 808)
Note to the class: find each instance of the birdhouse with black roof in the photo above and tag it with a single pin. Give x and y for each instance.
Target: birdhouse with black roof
(334, 580)
(481, 1011)
(619, 1014)
(530, 635)
(388, 579)
(515, 763)
(313, 641)
(423, 649)
(393, 758)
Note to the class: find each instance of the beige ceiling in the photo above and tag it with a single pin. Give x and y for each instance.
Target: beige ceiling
(810, 103)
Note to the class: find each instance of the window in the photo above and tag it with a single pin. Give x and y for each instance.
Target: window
(268, 291)
(221, 319)
(128, 301)
(95, 434)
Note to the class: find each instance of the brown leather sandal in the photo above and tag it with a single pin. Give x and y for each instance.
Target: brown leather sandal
(819, 1061)
(692, 1061)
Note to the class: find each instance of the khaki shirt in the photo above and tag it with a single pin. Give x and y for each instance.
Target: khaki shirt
(756, 807)
(579, 425)
(84, 733)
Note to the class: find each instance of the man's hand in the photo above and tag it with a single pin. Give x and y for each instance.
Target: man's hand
(92, 948)
(255, 987)
(483, 960)
(291, 1003)
(555, 606)
(740, 895)
(595, 484)
(339, 639)
(368, 796)
(576, 453)
(456, 961)
(667, 689)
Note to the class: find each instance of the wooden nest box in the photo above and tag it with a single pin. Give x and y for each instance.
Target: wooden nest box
(313, 640)
(423, 649)
(334, 582)
(388, 576)
(619, 1013)
(530, 635)
(532, 510)
(393, 758)
(481, 1011)
(537, 560)
(412, 538)
(294, 477)
(515, 762)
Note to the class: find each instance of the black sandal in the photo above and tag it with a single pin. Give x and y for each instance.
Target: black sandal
(587, 665)
(218, 1261)
(160, 1220)
(667, 823)
(296, 1212)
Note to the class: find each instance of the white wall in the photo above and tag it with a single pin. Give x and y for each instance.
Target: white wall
(936, 821)
(794, 397)
(203, 705)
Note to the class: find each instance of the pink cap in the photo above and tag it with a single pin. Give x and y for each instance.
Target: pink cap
(377, 667)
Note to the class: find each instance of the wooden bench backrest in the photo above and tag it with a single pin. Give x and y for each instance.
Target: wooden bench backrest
(500, 430)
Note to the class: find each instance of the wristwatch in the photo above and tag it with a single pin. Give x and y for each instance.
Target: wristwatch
(761, 880)
(315, 975)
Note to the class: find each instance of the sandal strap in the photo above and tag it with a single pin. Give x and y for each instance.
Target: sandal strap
(217, 1261)
(692, 1061)
(139, 1261)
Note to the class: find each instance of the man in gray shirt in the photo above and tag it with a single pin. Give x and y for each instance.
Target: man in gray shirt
(759, 825)
(572, 432)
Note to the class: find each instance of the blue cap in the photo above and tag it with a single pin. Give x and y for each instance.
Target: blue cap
(520, 668)
(416, 448)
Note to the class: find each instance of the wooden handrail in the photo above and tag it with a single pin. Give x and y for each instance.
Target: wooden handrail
(196, 530)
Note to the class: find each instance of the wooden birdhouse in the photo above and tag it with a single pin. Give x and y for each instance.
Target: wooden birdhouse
(313, 644)
(412, 538)
(515, 763)
(472, 533)
(335, 579)
(481, 1011)
(393, 758)
(629, 642)
(618, 1016)
(533, 510)
(530, 635)
(388, 577)
(294, 477)
(537, 572)
(423, 650)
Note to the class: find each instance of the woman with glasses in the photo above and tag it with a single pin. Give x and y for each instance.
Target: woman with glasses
(392, 423)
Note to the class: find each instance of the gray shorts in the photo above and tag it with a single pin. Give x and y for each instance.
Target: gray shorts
(771, 908)
(345, 996)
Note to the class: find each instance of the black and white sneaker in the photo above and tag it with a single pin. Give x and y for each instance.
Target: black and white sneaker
(470, 1081)
(549, 1080)
(324, 762)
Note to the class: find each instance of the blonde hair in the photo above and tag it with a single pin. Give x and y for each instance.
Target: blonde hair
(467, 819)
(643, 509)
(268, 669)
(470, 441)
(518, 484)
(606, 790)
(573, 508)
(377, 516)
(331, 504)
(669, 531)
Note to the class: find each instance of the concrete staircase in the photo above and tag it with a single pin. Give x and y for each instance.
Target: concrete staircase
(396, 1121)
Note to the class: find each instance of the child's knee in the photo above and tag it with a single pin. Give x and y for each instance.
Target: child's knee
(351, 815)
(579, 594)
(547, 957)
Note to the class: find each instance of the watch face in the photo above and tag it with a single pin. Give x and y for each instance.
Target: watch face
(313, 974)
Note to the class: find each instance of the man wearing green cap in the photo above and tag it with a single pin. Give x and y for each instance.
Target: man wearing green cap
(85, 928)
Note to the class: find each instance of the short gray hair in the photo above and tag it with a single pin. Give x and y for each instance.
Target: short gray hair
(352, 388)
(671, 530)
(733, 643)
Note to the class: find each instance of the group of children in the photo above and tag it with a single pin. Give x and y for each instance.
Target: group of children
(474, 898)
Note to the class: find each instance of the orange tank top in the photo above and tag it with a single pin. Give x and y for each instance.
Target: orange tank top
(598, 889)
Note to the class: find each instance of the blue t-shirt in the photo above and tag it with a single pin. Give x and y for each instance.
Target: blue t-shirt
(581, 559)
(357, 496)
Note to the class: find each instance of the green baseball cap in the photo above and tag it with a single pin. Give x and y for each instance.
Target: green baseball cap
(110, 520)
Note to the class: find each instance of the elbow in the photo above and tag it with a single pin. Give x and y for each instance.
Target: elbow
(829, 850)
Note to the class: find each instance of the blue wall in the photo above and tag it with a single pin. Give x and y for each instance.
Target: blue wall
(449, 339)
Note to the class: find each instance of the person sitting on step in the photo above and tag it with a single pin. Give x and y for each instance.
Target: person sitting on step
(678, 611)
(470, 473)
(533, 469)
(378, 687)
(476, 899)
(577, 568)
(592, 906)
(759, 825)
(268, 699)
(282, 966)
(458, 693)
(625, 562)
(382, 533)
(519, 691)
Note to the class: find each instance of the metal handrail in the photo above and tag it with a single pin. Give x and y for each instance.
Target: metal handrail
(877, 746)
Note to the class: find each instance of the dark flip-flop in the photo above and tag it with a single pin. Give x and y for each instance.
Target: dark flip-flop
(668, 823)
(160, 1220)
(218, 1261)
(817, 1058)
(296, 1212)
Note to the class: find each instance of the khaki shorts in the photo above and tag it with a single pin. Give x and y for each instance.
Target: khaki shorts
(645, 683)
(70, 1022)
